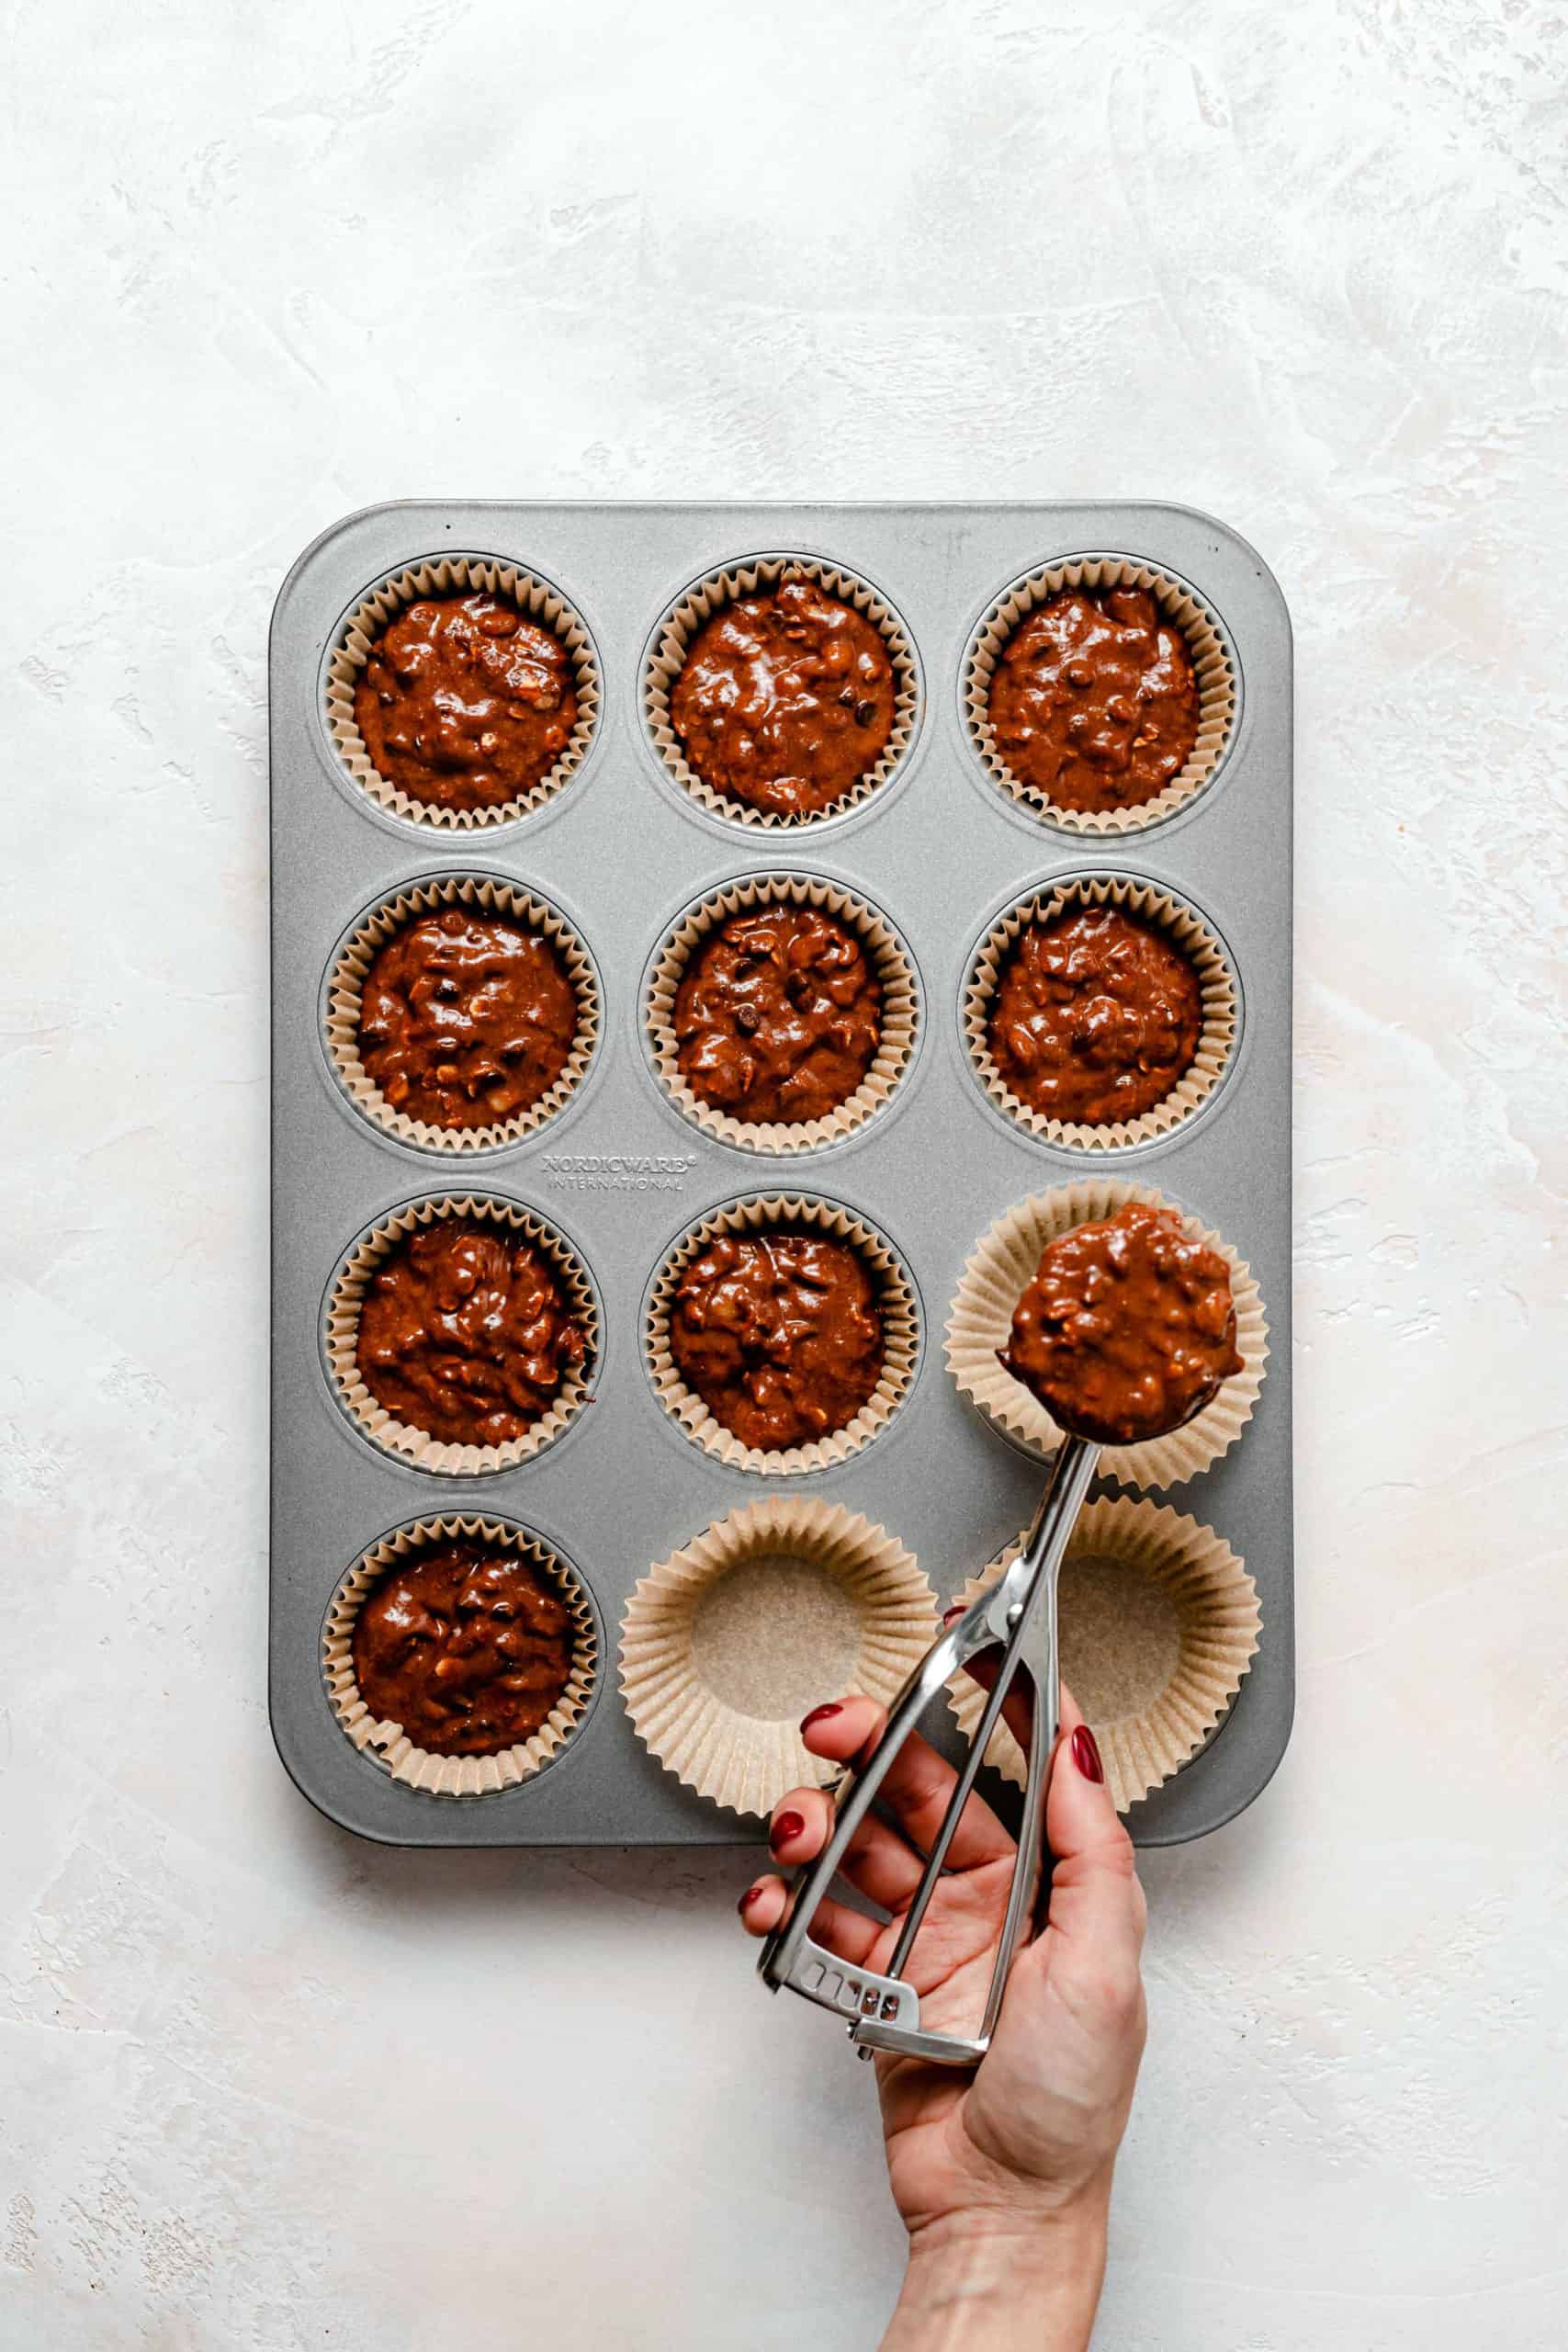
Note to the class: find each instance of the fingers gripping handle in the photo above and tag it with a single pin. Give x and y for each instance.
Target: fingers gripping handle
(1019, 1611)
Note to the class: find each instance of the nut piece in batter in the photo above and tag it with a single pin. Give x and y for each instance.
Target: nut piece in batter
(778, 1016)
(1127, 1330)
(465, 702)
(465, 1019)
(1093, 702)
(467, 1647)
(1096, 1018)
(779, 1334)
(784, 701)
(463, 1333)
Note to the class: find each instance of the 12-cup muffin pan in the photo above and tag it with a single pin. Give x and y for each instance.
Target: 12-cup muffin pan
(614, 857)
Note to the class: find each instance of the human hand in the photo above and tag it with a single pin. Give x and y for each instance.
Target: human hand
(1002, 2177)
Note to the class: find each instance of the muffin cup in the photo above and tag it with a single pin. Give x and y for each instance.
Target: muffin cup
(726, 1643)
(1159, 1621)
(1213, 665)
(1185, 928)
(671, 640)
(444, 576)
(884, 951)
(486, 894)
(999, 1269)
(385, 1742)
(341, 1337)
(896, 1301)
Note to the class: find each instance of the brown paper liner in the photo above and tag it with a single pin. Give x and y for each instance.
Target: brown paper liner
(385, 1742)
(999, 1269)
(491, 895)
(896, 1299)
(699, 602)
(340, 1336)
(727, 1643)
(1159, 1621)
(441, 576)
(1214, 666)
(886, 953)
(1185, 927)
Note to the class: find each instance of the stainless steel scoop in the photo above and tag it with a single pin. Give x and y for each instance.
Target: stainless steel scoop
(1018, 1612)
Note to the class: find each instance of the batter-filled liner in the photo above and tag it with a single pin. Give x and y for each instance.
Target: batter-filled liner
(385, 1742)
(1185, 927)
(1159, 1622)
(341, 1335)
(451, 575)
(761, 574)
(730, 1641)
(884, 951)
(1213, 664)
(488, 894)
(1003, 1263)
(897, 1304)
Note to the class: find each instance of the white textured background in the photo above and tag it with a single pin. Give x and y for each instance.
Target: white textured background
(265, 2087)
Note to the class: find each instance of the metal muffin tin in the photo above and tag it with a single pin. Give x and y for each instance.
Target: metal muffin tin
(622, 1173)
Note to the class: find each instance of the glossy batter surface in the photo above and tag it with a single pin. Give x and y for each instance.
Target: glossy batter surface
(1093, 701)
(778, 1016)
(465, 702)
(463, 1332)
(1127, 1330)
(465, 1019)
(1096, 1018)
(784, 701)
(469, 1648)
(779, 1335)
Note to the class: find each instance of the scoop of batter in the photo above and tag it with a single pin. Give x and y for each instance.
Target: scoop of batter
(1127, 1330)
(467, 1647)
(1094, 701)
(464, 1332)
(784, 701)
(779, 1016)
(779, 1335)
(465, 1019)
(465, 702)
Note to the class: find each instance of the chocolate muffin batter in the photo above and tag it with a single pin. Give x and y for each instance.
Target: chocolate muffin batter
(778, 1016)
(1093, 701)
(465, 1018)
(465, 702)
(1096, 1017)
(1127, 1330)
(464, 1332)
(784, 701)
(779, 1335)
(467, 1647)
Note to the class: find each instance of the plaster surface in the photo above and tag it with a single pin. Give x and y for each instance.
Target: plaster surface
(264, 2088)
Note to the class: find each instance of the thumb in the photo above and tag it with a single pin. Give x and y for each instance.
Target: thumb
(1096, 1904)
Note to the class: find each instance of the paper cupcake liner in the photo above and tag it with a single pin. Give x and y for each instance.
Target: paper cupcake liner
(896, 1300)
(1159, 1621)
(884, 951)
(491, 895)
(999, 1269)
(698, 605)
(442, 576)
(1185, 927)
(384, 1741)
(1213, 665)
(339, 1338)
(727, 1643)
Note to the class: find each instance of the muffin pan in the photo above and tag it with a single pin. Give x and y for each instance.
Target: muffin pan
(619, 851)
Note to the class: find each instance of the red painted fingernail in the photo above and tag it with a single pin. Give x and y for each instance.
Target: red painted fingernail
(948, 1615)
(747, 1899)
(1085, 1755)
(820, 1714)
(787, 1825)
